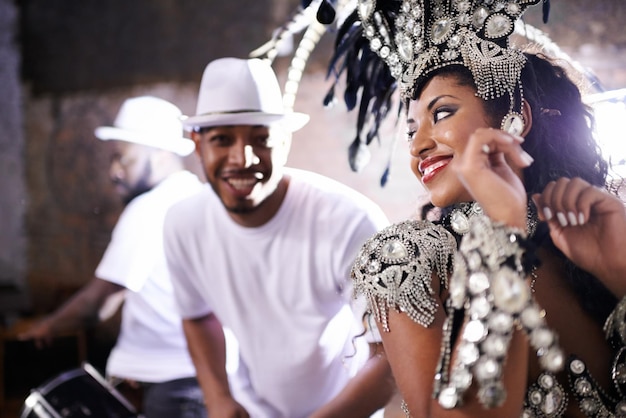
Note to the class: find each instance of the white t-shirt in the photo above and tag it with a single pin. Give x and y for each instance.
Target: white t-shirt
(151, 345)
(283, 288)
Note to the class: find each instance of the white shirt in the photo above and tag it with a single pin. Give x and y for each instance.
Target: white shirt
(282, 288)
(151, 346)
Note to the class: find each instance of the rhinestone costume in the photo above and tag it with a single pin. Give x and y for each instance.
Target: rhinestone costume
(395, 269)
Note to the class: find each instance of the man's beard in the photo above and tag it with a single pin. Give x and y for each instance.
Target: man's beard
(140, 187)
(241, 209)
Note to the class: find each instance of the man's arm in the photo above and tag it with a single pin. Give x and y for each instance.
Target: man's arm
(207, 346)
(81, 310)
(368, 391)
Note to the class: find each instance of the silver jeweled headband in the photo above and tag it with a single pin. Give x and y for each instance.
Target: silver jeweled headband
(426, 35)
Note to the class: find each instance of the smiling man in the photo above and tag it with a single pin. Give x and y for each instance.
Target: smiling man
(266, 251)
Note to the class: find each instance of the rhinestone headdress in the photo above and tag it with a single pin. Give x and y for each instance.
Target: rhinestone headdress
(382, 46)
(426, 35)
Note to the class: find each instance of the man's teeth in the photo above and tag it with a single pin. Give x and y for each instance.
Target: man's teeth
(241, 183)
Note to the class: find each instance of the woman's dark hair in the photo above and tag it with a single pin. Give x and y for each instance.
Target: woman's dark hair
(561, 138)
(561, 143)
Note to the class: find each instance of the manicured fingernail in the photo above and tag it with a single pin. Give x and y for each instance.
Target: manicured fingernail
(562, 219)
(547, 213)
(526, 158)
(518, 139)
(581, 218)
(572, 218)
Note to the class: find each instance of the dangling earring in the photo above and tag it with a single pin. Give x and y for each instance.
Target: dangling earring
(513, 122)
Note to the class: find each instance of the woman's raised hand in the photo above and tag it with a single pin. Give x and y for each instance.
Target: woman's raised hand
(491, 170)
(589, 225)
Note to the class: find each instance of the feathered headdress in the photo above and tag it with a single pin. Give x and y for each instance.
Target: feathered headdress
(412, 38)
(383, 46)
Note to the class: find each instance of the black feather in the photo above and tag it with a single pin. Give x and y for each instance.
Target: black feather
(326, 13)
(347, 36)
(358, 155)
(368, 82)
(330, 96)
(545, 10)
(385, 176)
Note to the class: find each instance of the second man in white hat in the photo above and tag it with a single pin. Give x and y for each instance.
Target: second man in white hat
(150, 362)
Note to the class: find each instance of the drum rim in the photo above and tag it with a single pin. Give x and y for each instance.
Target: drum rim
(37, 395)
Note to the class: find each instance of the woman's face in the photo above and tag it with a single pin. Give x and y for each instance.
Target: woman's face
(439, 124)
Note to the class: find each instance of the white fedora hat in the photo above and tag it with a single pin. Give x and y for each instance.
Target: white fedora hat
(150, 121)
(237, 91)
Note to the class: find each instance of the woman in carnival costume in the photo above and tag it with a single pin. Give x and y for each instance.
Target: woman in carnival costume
(507, 300)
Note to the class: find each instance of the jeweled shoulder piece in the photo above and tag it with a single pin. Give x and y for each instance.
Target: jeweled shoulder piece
(429, 34)
(394, 269)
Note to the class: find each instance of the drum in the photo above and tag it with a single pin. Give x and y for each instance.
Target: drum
(80, 392)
